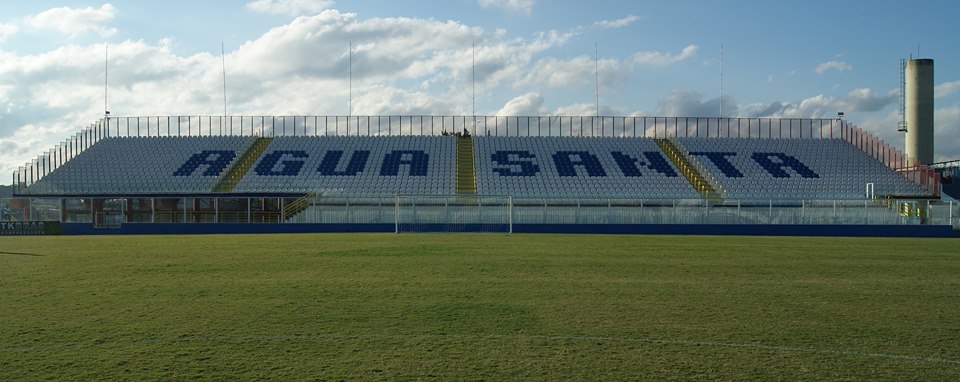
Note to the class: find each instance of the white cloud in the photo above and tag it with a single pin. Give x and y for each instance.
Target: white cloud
(577, 71)
(384, 100)
(7, 30)
(865, 100)
(577, 109)
(527, 104)
(664, 59)
(73, 21)
(589, 109)
(947, 135)
(686, 103)
(862, 100)
(618, 23)
(401, 66)
(946, 89)
(835, 65)
(289, 7)
(524, 6)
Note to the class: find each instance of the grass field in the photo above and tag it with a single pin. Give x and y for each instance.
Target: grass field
(478, 307)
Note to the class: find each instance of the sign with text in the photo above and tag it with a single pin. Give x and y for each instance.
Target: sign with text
(25, 228)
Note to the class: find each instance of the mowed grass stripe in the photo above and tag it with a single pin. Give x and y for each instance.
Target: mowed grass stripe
(478, 306)
(340, 337)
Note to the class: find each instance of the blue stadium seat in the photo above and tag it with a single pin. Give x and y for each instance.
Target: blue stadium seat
(577, 168)
(145, 165)
(784, 168)
(355, 166)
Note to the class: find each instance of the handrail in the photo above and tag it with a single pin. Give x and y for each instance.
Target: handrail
(893, 158)
(706, 174)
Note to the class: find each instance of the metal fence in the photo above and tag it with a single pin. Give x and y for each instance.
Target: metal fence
(108, 212)
(539, 126)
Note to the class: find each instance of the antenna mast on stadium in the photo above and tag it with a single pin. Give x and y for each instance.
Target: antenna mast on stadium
(596, 73)
(350, 103)
(106, 59)
(473, 89)
(721, 80)
(223, 67)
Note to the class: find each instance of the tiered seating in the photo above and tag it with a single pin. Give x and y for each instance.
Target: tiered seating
(531, 167)
(355, 166)
(153, 165)
(794, 168)
(570, 167)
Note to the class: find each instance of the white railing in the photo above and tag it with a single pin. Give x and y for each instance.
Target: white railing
(460, 209)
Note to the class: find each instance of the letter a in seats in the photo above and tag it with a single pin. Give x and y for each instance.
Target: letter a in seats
(567, 166)
(417, 161)
(776, 168)
(215, 160)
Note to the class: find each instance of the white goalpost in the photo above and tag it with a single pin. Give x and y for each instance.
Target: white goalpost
(453, 213)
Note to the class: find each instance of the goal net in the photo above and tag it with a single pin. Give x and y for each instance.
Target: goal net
(454, 213)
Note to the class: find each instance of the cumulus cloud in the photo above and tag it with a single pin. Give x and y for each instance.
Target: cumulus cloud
(835, 65)
(664, 59)
(552, 72)
(289, 7)
(7, 30)
(947, 134)
(589, 109)
(861, 100)
(946, 89)
(523, 6)
(401, 66)
(688, 103)
(527, 104)
(385, 100)
(865, 100)
(618, 23)
(383, 47)
(578, 109)
(694, 104)
(74, 21)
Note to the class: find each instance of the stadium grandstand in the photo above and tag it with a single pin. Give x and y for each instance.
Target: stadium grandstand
(431, 173)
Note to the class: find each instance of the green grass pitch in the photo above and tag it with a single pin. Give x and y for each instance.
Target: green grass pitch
(478, 307)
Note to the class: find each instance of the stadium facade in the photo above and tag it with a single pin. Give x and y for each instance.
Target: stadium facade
(511, 174)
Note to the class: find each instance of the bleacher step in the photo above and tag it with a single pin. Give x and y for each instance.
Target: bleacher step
(689, 171)
(466, 166)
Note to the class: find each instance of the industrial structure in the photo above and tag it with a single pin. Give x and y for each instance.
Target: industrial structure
(918, 113)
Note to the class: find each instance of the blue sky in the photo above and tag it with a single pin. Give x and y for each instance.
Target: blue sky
(534, 57)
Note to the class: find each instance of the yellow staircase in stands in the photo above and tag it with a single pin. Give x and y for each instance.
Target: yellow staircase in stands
(683, 163)
(466, 167)
(241, 166)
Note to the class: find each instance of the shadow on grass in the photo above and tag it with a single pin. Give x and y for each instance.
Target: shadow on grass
(20, 254)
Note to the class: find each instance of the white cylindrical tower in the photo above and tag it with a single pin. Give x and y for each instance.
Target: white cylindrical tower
(918, 100)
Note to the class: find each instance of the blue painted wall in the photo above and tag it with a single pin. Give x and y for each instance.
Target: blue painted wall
(631, 229)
